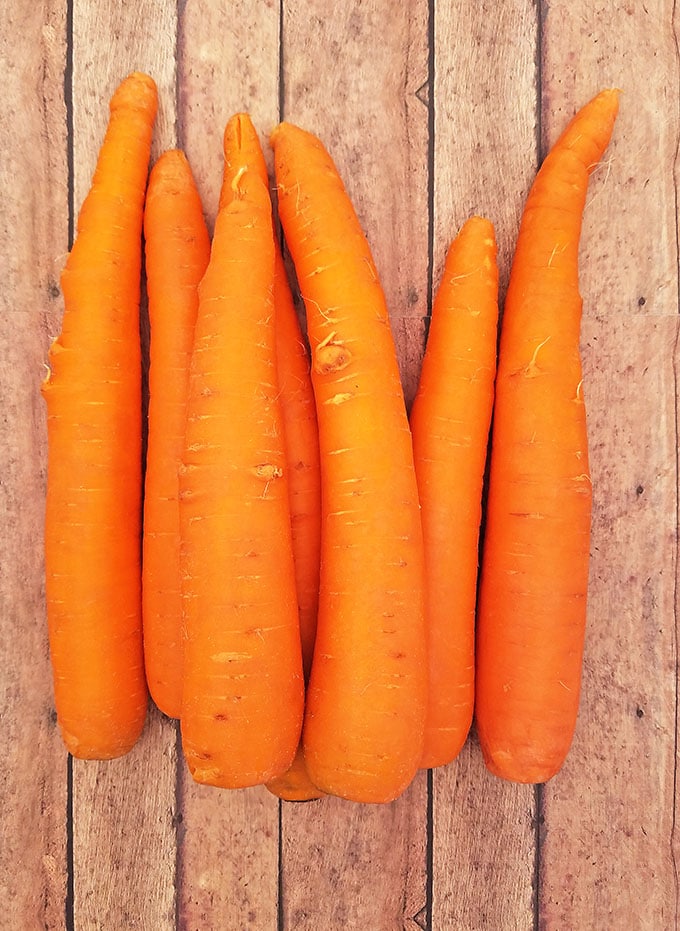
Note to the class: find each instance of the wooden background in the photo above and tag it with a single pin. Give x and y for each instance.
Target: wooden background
(432, 111)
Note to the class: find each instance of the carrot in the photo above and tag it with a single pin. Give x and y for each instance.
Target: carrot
(532, 610)
(301, 442)
(450, 421)
(364, 721)
(94, 484)
(177, 252)
(304, 488)
(243, 693)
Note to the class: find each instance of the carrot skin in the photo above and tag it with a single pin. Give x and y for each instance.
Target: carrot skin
(93, 397)
(301, 443)
(450, 421)
(177, 252)
(532, 610)
(302, 454)
(364, 720)
(243, 692)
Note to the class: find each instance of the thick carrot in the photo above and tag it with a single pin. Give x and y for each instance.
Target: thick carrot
(94, 484)
(450, 422)
(531, 620)
(177, 253)
(365, 712)
(243, 693)
(301, 441)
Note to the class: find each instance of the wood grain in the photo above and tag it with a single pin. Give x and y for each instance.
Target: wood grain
(125, 836)
(486, 120)
(228, 61)
(123, 811)
(607, 859)
(483, 164)
(229, 858)
(354, 866)
(610, 813)
(368, 863)
(33, 179)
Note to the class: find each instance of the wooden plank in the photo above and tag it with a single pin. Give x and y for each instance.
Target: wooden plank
(483, 848)
(33, 178)
(229, 858)
(610, 839)
(486, 120)
(607, 860)
(228, 61)
(354, 83)
(483, 832)
(124, 834)
(346, 865)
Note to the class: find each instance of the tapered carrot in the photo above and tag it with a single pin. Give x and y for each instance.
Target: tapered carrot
(450, 422)
(304, 488)
(364, 722)
(301, 441)
(243, 693)
(534, 579)
(177, 253)
(94, 484)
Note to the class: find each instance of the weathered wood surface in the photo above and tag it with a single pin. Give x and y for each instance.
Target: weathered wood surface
(432, 112)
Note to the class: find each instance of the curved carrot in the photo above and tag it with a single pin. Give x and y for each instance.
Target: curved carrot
(450, 422)
(365, 710)
(531, 619)
(94, 484)
(177, 253)
(243, 694)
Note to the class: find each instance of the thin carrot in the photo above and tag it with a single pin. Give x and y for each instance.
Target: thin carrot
(304, 488)
(450, 421)
(94, 485)
(243, 693)
(364, 721)
(301, 441)
(532, 610)
(177, 253)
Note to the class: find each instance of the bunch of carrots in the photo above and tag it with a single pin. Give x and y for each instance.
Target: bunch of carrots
(295, 574)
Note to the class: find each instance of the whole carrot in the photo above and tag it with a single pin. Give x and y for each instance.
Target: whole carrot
(243, 693)
(450, 422)
(177, 253)
(365, 711)
(532, 609)
(94, 484)
(300, 435)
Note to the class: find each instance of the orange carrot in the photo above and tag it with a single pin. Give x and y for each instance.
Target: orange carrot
(243, 694)
(93, 397)
(301, 442)
(364, 723)
(450, 422)
(177, 253)
(304, 487)
(302, 454)
(531, 620)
